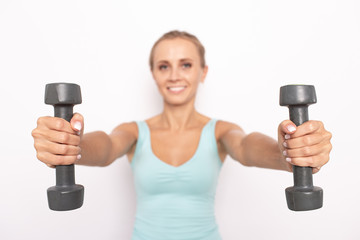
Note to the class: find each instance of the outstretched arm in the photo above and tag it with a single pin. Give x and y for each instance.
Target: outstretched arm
(305, 145)
(101, 149)
(59, 142)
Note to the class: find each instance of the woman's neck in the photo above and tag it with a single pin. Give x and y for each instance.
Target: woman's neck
(179, 117)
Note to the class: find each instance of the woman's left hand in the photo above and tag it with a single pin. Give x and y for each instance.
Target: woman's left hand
(304, 145)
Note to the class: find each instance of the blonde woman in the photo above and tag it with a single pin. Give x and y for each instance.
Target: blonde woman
(176, 156)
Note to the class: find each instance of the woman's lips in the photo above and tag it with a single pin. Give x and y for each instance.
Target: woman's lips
(176, 89)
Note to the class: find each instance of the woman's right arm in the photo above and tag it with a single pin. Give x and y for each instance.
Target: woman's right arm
(59, 142)
(101, 149)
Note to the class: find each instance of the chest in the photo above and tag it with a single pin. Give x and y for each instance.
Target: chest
(175, 148)
(191, 164)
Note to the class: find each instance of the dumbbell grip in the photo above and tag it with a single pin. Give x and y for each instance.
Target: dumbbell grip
(64, 111)
(65, 174)
(302, 175)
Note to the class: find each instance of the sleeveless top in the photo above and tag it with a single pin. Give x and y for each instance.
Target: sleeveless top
(176, 203)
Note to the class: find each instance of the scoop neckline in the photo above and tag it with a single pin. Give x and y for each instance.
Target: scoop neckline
(186, 162)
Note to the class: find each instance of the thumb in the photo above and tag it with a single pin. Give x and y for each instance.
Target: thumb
(77, 123)
(287, 127)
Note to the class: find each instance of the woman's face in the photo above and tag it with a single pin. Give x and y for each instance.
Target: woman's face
(177, 70)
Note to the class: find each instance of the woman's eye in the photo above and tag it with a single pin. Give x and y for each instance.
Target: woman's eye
(187, 65)
(163, 67)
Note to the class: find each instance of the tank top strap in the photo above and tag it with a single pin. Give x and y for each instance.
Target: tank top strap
(209, 134)
(143, 132)
(142, 141)
(212, 125)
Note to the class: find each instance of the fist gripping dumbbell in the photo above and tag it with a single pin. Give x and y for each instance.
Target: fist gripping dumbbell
(303, 195)
(66, 195)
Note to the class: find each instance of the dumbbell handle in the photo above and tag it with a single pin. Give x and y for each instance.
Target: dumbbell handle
(64, 111)
(302, 175)
(65, 174)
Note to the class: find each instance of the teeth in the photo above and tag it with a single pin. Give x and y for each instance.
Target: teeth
(176, 89)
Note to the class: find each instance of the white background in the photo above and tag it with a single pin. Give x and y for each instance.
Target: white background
(253, 48)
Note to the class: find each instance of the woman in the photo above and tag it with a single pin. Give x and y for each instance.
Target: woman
(176, 156)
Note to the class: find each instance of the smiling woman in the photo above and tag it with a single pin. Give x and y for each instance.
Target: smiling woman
(177, 69)
(176, 156)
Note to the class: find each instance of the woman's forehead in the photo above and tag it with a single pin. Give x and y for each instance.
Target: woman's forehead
(175, 49)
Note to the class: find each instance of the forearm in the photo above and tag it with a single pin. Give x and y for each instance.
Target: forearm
(259, 150)
(96, 148)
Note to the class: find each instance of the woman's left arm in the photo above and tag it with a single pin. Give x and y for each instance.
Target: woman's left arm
(305, 145)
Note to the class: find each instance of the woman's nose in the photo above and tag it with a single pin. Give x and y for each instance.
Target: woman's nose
(174, 74)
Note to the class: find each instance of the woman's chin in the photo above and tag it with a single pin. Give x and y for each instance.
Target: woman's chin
(176, 102)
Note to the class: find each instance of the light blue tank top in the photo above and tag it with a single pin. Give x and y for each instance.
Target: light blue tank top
(176, 203)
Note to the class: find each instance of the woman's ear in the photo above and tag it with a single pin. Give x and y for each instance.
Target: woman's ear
(205, 71)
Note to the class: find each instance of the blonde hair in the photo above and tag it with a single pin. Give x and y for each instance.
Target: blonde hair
(183, 35)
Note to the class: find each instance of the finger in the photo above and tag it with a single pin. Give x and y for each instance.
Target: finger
(77, 123)
(64, 138)
(55, 123)
(306, 151)
(56, 148)
(57, 137)
(50, 166)
(307, 140)
(307, 128)
(313, 161)
(54, 160)
(316, 169)
(286, 127)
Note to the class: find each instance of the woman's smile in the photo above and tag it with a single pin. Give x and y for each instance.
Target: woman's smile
(176, 89)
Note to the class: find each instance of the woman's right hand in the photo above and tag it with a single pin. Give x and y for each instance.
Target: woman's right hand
(57, 141)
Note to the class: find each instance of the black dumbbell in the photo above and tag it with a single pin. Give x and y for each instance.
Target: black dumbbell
(303, 195)
(66, 195)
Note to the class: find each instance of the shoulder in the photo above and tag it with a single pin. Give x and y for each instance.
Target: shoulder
(129, 128)
(223, 128)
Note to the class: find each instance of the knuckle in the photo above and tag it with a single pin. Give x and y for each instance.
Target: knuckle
(58, 149)
(39, 156)
(34, 133)
(36, 145)
(64, 137)
(306, 140)
(40, 121)
(59, 124)
(326, 159)
(328, 146)
(323, 159)
(42, 157)
(311, 126)
(62, 149)
(50, 166)
(310, 161)
(329, 135)
(306, 151)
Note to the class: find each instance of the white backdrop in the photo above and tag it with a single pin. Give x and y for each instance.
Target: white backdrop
(253, 48)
